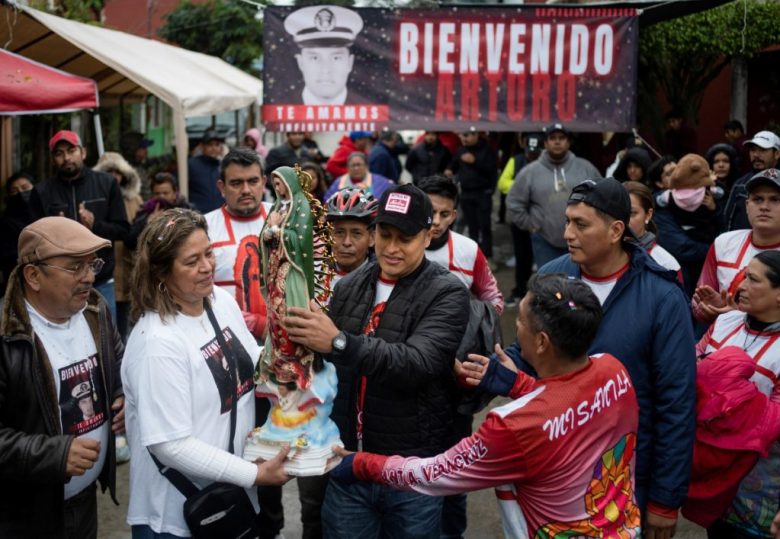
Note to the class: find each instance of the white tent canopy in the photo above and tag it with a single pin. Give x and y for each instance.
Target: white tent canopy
(131, 68)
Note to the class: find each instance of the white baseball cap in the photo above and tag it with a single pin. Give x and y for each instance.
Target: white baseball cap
(764, 139)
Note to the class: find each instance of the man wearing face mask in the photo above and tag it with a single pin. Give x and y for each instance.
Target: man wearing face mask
(18, 192)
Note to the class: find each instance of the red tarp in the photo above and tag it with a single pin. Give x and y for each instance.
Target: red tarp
(27, 87)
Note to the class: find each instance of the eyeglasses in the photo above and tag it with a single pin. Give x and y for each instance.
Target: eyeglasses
(80, 270)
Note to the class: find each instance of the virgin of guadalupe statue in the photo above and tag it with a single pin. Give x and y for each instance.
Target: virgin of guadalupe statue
(287, 248)
(295, 247)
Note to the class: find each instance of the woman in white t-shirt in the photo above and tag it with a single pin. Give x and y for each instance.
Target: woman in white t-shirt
(178, 390)
(642, 225)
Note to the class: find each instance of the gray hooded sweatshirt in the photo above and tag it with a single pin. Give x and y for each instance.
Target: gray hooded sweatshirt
(537, 200)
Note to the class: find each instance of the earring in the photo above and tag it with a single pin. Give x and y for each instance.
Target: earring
(647, 222)
(162, 288)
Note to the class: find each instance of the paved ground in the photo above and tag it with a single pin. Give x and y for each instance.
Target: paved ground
(484, 521)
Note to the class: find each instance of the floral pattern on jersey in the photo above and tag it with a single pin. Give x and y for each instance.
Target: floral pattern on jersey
(609, 500)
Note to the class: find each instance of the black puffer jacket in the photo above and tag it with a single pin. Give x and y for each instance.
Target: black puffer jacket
(407, 363)
(33, 450)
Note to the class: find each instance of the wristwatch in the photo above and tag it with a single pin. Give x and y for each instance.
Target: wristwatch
(339, 342)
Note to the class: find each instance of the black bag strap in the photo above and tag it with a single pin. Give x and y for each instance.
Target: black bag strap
(228, 353)
(178, 479)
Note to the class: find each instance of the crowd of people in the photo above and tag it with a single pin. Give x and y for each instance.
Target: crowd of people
(642, 376)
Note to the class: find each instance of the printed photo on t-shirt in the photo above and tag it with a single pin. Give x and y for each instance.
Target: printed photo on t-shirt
(82, 399)
(218, 365)
(247, 274)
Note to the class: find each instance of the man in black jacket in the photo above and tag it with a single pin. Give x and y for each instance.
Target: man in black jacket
(475, 168)
(91, 198)
(427, 158)
(395, 324)
(288, 154)
(60, 389)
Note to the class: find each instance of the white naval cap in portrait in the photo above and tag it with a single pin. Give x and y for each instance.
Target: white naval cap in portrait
(323, 26)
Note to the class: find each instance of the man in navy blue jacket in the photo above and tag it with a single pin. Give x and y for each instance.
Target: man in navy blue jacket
(647, 326)
(382, 158)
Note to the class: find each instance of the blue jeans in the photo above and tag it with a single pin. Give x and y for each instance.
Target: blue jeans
(369, 511)
(107, 291)
(543, 251)
(145, 532)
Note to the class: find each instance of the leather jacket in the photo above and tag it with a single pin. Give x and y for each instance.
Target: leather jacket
(33, 450)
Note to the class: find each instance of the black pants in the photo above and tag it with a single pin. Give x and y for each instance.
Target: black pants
(311, 492)
(80, 514)
(524, 259)
(477, 207)
(270, 521)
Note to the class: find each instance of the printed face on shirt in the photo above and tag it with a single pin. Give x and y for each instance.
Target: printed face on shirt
(68, 159)
(757, 297)
(444, 213)
(399, 254)
(82, 398)
(638, 216)
(351, 241)
(242, 188)
(61, 285)
(589, 238)
(763, 209)
(191, 278)
(325, 70)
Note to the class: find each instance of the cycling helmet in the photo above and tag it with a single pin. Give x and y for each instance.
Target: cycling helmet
(352, 203)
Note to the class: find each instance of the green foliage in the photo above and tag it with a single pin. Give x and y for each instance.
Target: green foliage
(219, 28)
(78, 10)
(682, 56)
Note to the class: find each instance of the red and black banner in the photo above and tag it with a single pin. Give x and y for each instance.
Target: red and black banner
(498, 69)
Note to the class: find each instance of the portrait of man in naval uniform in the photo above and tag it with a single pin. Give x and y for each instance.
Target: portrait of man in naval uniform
(324, 36)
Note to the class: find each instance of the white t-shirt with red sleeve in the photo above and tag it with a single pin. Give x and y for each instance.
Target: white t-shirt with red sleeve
(235, 241)
(463, 258)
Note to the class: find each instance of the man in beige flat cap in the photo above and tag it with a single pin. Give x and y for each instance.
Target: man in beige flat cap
(60, 390)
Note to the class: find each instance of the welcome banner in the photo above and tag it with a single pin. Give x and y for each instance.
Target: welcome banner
(328, 68)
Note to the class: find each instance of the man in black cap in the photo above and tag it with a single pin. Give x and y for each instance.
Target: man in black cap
(395, 324)
(203, 172)
(647, 326)
(324, 35)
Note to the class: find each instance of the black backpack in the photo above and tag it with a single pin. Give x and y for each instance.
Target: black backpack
(482, 334)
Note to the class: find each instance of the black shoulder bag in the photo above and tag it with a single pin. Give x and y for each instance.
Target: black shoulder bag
(221, 510)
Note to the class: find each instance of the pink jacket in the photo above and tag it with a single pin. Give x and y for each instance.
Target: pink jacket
(735, 424)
